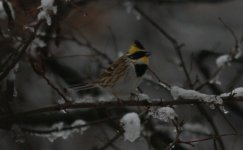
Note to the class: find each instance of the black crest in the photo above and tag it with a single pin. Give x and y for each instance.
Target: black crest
(138, 44)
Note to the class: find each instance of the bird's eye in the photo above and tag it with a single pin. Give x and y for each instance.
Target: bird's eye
(138, 54)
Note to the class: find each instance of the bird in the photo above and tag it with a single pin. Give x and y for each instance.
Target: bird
(125, 74)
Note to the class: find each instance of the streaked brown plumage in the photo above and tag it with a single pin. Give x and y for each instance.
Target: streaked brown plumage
(113, 73)
(125, 74)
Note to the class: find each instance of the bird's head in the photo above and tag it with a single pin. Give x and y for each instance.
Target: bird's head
(138, 54)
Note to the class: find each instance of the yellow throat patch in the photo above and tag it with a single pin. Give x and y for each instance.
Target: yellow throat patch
(144, 60)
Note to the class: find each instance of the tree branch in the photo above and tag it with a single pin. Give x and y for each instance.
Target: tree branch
(130, 103)
(20, 53)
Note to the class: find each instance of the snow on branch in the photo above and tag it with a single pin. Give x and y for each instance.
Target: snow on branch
(178, 92)
(223, 60)
(237, 92)
(181, 100)
(58, 130)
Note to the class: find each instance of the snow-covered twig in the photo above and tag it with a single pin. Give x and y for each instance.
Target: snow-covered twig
(57, 130)
(178, 92)
(144, 103)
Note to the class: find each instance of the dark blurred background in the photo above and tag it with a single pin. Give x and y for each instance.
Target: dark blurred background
(85, 37)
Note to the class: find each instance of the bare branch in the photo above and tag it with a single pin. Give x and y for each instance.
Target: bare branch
(92, 48)
(230, 30)
(18, 56)
(106, 104)
(110, 142)
(173, 41)
(213, 137)
(177, 48)
(38, 67)
(161, 83)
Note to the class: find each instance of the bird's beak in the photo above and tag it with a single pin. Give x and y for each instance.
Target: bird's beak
(148, 53)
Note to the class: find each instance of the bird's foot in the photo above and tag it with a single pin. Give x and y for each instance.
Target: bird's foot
(120, 101)
(134, 96)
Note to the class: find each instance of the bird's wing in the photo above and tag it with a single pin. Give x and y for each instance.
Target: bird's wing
(109, 77)
(113, 73)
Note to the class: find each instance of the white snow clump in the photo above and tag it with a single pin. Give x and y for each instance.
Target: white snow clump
(164, 114)
(46, 6)
(131, 125)
(178, 92)
(223, 60)
(76, 127)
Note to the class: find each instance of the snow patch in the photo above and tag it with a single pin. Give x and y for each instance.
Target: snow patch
(131, 125)
(17, 134)
(37, 42)
(178, 92)
(223, 60)
(46, 7)
(237, 92)
(164, 114)
(61, 131)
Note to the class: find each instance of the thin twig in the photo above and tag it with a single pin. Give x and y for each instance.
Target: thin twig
(55, 88)
(226, 119)
(215, 74)
(161, 83)
(173, 41)
(230, 30)
(178, 126)
(75, 55)
(177, 48)
(21, 52)
(214, 127)
(113, 39)
(119, 134)
(208, 138)
(88, 44)
(38, 67)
